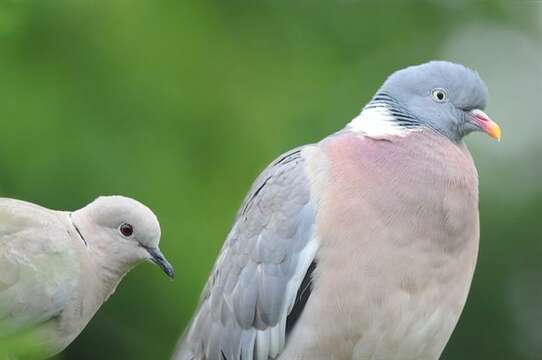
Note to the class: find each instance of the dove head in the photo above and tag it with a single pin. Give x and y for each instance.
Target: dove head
(123, 229)
(446, 97)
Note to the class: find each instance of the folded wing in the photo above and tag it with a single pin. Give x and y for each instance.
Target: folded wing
(243, 312)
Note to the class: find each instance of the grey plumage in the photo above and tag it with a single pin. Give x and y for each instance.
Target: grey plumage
(410, 88)
(253, 285)
(386, 209)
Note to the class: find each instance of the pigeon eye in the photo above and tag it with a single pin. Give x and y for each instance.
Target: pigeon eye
(126, 230)
(439, 95)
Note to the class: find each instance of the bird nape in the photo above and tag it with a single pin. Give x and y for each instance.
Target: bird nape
(362, 245)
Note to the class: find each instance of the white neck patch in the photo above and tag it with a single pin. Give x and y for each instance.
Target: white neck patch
(377, 121)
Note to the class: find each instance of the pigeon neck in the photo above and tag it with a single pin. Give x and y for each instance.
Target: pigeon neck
(383, 116)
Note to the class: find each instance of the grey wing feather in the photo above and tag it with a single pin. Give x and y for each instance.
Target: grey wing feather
(245, 304)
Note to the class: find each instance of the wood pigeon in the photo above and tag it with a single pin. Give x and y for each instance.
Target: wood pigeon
(361, 246)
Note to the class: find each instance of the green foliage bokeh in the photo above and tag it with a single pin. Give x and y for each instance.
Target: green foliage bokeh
(181, 103)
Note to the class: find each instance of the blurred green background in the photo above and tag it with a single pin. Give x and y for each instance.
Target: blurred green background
(181, 103)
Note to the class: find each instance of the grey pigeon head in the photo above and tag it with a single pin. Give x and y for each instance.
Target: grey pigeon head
(446, 97)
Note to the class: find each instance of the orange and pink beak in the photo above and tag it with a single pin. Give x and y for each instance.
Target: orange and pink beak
(482, 120)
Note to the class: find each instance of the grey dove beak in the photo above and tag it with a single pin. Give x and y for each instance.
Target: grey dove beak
(159, 259)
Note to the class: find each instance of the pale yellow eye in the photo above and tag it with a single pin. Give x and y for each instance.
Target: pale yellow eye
(439, 95)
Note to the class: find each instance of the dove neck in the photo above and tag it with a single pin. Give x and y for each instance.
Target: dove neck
(108, 260)
(111, 264)
(109, 271)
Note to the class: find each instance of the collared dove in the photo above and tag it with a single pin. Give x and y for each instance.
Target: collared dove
(362, 246)
(57, 268)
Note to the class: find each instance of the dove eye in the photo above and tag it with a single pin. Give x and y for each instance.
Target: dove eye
(439, 95)
(126, 229)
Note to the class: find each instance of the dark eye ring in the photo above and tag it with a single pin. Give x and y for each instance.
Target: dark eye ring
(126, 229)
(439, 95)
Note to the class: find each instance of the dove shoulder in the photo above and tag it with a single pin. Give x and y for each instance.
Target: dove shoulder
(38, 264)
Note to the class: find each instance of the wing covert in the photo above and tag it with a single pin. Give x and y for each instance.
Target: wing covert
(252, 289)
